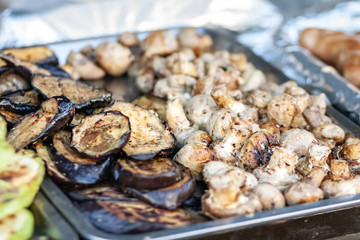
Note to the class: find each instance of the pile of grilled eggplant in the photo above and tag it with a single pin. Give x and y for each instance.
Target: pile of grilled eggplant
(21, 174)
(111, 157)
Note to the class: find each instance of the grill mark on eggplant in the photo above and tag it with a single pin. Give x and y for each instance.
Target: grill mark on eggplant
(78, 170)
(104, 192)
(135, 216)
(101, 134)
(169, 197)
(152, 174)
(149, 137)
(80, 94)
(54, 113)
(20, 101)
(40, 55)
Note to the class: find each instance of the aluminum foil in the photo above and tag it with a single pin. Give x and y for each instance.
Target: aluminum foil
(299, 64)
(99, 18)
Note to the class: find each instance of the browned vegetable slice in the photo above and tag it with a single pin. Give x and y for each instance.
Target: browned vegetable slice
(78, 170)
(135, 216)
(23, 68)
(149, 137)
(158, 172)
(11, 82)
(41, 55)
(10, 117)
(20, 101)
(156, 104)
(103, 192)
(101, 134)
(80, 94)
(169, 197)
(54, 113)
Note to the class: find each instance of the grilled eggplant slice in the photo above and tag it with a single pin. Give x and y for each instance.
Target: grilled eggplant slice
(24, 69)
(135, 216)
(76, 169)
(149, 137)
(20, 181)
(54, 70)
(77, 119)
(156, 104)
(80, 94)
(104, 192)
(53, 114)
(17, 226)
(156, 173)
(20, 102)
(169, 197)
(10, 117)
(40, 55)
(11, 82)
(102, 134)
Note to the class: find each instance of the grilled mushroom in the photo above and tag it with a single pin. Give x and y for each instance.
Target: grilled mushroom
(280, 171)
(152, 174)
(189, 38)
(149, 137)
(80, 94)
(194, 156)
(256, 150)
(85, 67)
(282, 109)
(199, 109)
(307, 190)
(198, 137)
(297, 140)
(316, 158)
(53, 114)
(128, 39)
(329, 133)
(169, 197)
(159, 43)
(220, 122)
(233, 141)
(113, 57)
(102, 134)
(269, 196)
(351, 149)
(178, 124)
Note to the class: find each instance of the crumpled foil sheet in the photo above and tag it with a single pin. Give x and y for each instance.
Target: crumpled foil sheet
(87, 19)
(299, 64)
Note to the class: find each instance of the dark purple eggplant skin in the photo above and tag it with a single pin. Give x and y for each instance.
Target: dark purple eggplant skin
(54, 70)
(110, 222)
(9, 105)
(65, 115)
(62, 118)
(82, 174)
(77, 173)
(50, 60)
(170, 197)
(123, 177)
(20, 69)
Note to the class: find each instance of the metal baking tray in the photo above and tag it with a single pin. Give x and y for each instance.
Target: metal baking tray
(222, 40)
(49, 224)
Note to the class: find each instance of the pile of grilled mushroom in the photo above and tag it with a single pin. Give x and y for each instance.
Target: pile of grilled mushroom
(204, 116)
